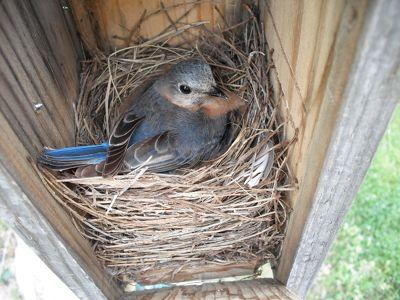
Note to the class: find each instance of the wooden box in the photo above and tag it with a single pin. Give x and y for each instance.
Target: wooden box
(337, 65)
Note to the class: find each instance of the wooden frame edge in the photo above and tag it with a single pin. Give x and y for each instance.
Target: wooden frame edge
(18, 211)
(260, 289)
(368, 102)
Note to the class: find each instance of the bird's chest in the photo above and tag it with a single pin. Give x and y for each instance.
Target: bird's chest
(199, 133)
(189, 130)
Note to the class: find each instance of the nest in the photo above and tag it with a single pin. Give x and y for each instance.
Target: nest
(221, 212)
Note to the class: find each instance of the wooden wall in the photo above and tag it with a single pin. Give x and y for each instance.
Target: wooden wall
(327, 54)
(114, 24)
(39, 63)
(314, 44)
(38, 68)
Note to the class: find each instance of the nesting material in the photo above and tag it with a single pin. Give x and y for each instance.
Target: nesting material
(221, 212)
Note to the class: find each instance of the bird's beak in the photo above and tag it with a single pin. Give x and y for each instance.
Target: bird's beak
(217, 92)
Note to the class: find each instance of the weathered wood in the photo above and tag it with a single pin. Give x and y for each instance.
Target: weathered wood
(17, 210)
(38, 84)
(263, 289)
(314, 45)
(85, 24)
(338, 63)
(114, 23)
(198, 273)
(313, 56)
(34, 73)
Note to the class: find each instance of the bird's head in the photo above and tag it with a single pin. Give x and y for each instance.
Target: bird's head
(190, 84)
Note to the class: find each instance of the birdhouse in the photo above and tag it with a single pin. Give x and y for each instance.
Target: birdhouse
(335, 74)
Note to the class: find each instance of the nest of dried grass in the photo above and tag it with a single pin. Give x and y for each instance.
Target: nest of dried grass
(221, 212)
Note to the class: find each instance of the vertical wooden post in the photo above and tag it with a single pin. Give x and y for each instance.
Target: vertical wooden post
(356, 95)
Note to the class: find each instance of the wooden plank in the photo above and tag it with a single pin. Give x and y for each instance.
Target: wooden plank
(85, 26)
(313, 56)
(17, 210)
(114, 23)
(341, 94)
(262, 289)
(313, 51)
(35, 71)
(314, 44)
(65, 49)
(38, 84)
(200, 272)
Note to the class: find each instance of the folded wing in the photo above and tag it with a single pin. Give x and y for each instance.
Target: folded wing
(119, 142)
(158, 154)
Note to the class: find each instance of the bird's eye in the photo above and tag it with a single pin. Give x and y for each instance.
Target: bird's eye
(185, 89)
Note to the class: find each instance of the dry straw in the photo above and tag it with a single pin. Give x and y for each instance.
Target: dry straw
(222, 212)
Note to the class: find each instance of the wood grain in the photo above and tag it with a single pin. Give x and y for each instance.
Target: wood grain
(39, 66)
(17, 210)
(327, 54)
(263, 289)
(114, 24)
(86, 26)
(198, 273)
(313, 53)
(34, 73)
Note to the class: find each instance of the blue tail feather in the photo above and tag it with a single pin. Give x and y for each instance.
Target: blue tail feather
(77, 151)
(73, 157)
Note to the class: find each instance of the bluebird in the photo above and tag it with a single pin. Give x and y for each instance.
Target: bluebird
(178, 120)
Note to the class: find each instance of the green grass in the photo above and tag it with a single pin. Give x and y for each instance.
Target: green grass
(364, 262)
